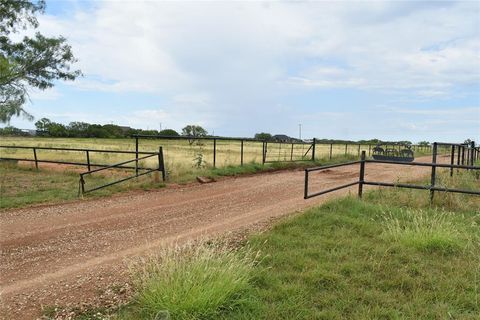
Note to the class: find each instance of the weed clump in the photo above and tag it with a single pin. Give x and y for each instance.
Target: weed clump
(426, 230)
(193, 281)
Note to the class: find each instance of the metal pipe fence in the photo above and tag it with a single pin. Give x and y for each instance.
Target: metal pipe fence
(87, 152)
(160, 168)
(474, 155)
(282, 151)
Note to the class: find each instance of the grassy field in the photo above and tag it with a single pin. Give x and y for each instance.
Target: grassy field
(389, 256)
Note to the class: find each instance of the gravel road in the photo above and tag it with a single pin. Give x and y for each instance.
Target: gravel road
(65, 254)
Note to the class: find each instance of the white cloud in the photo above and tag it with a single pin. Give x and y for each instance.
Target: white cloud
(217, 47)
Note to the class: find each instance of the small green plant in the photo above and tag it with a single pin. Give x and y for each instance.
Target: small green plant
(199, 161)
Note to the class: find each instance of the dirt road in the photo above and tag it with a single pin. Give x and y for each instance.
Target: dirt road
(61, 254)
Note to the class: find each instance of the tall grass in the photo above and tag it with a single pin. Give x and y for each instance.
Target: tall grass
(192, 282)
(429, 230)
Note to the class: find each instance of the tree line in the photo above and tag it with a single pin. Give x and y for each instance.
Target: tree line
(47, 128)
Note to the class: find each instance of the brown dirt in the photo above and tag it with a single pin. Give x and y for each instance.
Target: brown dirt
(64, 254)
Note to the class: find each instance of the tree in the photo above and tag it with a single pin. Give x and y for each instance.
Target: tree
(194, 131)
(169, 132)
(424, 143)
(263, 136)
(43, 124)
(33, 62)
(78, 129)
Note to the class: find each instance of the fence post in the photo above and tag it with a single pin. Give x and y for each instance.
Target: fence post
(264, 152)
(331, 147)
(463, 155)
(452, 160)
(346, 146)
(88, 160)
(362, 175)
(305, 190)
(472, 153)
(241, 152)
(161, 163)
(136, 156)
(313, 149)
(82, 184)
(434, 169)
(35, 156)
(214, 152)
(359, 150)
(291, 153)
(369, 149)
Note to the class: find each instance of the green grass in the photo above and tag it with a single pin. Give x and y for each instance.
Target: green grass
(192, 282)
(391, 255)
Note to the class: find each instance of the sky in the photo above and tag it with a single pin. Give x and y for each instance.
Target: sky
(398, 70)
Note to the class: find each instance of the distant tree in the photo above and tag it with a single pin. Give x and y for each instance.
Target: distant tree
(263, 136)
(78, 129)
(169, 132)
(12, 131)
(32, 62)
(424, 143)
(42, 126)
(57, 130)
(194, 131)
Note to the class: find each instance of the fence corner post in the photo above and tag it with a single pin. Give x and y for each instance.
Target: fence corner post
(161, 163)
(361, 178)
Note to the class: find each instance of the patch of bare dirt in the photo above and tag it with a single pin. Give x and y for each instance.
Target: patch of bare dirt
(66, 254)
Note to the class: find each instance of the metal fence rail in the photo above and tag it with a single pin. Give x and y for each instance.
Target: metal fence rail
(87, 162)
(161, 167)
(473, 154)
(311, 154)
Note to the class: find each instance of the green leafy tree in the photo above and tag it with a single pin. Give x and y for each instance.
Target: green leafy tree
(169, 132)
(263, 136)
(194, 131)
(32, 62)
(42, 126)
(78, 129)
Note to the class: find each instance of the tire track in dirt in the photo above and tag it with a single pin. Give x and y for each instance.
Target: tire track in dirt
(45, 251)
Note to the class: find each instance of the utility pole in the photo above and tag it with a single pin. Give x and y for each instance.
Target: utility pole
(160, 126)
(300, 131)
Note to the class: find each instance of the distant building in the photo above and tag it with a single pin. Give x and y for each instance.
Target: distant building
(284, 138)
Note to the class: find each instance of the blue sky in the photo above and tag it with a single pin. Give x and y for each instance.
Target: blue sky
(350, 70)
